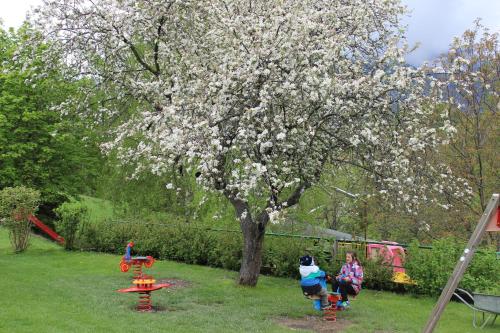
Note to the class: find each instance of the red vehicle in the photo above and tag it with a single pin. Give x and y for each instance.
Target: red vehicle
(128, 261)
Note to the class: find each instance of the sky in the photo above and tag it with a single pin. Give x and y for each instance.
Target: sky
(432, 24)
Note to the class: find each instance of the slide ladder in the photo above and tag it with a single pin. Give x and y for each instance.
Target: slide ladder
(46, 229)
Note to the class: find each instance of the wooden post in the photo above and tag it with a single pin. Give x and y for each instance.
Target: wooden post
(335, 249)
(462, 264)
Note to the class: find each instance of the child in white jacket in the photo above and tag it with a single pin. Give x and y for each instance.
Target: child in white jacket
(313, 280)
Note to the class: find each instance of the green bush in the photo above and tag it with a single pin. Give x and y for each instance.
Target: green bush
(378, 275)
(16, 205)
(483, 274)
(194, 244)
(72, 215)
(281, 255)
(431, 269)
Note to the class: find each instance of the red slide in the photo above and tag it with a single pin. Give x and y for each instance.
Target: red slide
(46, 229)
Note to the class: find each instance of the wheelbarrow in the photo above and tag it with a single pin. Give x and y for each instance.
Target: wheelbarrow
(486, 305)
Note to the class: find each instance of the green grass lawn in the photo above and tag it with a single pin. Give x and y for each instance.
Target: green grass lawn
(47, 289)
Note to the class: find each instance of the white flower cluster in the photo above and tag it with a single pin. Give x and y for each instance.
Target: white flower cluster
(257, 96)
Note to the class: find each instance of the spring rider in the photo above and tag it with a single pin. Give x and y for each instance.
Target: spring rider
(142, 284)
(330, 313)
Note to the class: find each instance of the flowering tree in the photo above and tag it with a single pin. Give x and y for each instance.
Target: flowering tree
(257, 96)
(472, 64)
(472, 67)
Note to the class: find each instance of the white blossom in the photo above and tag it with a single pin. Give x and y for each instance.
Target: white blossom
(257, 98)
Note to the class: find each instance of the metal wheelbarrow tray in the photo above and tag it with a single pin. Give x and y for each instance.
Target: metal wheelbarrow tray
(484, 304)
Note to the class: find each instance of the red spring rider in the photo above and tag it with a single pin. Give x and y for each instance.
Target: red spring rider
(137, 262)
(143, 284)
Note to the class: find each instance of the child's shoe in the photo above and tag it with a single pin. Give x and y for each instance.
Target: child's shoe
(326, 306)
(345, 304)
(339, 303)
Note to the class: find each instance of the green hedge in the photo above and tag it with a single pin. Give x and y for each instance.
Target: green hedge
(190, 244)
(430, 269)
(195, 244)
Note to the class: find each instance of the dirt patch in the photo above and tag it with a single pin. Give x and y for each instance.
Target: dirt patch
(176, 283)
(154, 308)
(314, 324)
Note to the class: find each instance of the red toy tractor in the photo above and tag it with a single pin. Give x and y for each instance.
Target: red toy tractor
(128, 261)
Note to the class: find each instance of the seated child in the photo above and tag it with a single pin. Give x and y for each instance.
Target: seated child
(313, 280)
(350, 278)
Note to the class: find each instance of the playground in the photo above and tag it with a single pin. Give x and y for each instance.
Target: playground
(48, 289)
(249, 166)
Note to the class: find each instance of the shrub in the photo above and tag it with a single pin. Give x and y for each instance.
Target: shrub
(483, 274)
(378, 275)
(192, 243)
(431, 269)
(16, 205)
(71, 215)
(282, 255)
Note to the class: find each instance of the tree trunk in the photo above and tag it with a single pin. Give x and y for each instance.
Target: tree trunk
(253, 230)
(253, 239)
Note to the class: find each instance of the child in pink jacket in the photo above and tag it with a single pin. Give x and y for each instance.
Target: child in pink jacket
(350, 278)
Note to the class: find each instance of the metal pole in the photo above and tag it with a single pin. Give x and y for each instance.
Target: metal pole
(462, 264)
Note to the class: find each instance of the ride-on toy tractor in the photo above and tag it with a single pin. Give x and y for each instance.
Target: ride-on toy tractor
(128, 261)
